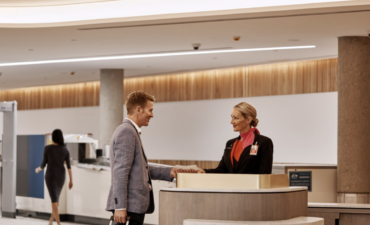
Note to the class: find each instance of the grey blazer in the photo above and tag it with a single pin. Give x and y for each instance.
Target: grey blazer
(131, 174)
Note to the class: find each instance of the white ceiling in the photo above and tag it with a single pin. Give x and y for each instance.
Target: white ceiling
(133, 10)
(33, 3)
(319, 27)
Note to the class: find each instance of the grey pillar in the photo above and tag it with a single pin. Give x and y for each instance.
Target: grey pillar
(111, 103)
(353, 120)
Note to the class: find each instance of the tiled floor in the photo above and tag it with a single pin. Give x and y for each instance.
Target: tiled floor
(30, 221)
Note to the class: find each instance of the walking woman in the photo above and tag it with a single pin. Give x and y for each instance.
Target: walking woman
(55, 155)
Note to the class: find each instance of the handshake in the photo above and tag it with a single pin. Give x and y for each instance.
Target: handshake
(185, 169)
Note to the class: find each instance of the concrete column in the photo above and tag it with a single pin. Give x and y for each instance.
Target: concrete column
(111, 103)
(353, 120)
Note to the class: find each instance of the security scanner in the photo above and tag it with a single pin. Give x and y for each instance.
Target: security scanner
(9, 158)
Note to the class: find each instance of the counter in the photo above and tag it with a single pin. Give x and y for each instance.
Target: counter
(179, 204)
(323, 179)
(341, 213)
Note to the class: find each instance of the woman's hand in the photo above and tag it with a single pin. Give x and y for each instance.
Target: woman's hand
(38, 169)
(201, 171)
(70, 179)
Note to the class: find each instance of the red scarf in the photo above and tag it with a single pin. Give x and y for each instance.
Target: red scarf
(248, 139)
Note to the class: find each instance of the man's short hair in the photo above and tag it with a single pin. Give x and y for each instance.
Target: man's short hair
(137, 98)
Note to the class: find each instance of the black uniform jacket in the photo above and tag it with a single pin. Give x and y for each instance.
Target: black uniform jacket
(248, 164)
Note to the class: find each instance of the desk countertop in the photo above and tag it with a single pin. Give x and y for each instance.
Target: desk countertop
(294, 221)
(271, 190)
(338, 205)
(297, 165)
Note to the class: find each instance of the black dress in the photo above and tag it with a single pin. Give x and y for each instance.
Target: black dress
(54, 156)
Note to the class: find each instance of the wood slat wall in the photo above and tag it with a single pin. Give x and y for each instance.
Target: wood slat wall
(58, 96)
(278, 79)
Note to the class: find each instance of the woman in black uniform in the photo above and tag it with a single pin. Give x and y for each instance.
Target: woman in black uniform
(250, 153)
(55, 155)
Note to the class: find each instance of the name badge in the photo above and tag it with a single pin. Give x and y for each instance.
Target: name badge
(254, 149)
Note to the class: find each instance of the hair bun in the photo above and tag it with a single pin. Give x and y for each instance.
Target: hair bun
(254, 123)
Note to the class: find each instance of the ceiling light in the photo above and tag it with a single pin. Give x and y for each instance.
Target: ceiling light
(152, 55)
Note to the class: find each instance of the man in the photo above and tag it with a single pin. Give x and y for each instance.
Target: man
(131, 193)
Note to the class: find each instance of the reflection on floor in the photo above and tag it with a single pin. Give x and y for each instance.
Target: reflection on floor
(30, 221)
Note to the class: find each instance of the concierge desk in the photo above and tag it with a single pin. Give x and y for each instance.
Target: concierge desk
(236, 197)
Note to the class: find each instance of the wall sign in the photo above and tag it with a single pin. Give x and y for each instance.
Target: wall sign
(301, 178)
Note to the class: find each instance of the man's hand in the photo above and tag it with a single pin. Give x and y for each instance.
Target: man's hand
(175, 171)
(70, 185)
(201, 171)
(120, 216)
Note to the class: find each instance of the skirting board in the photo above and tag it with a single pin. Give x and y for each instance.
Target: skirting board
(66, 218)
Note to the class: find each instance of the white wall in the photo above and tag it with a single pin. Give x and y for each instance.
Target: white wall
(302, 127)
(70, 120)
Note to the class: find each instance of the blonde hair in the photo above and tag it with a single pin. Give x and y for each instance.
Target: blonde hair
(137, 98)
(247, 110)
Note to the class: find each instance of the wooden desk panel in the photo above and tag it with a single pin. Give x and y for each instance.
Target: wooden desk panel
(174, 207)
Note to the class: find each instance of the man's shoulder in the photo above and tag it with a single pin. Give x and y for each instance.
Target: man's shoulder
(126, 126)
